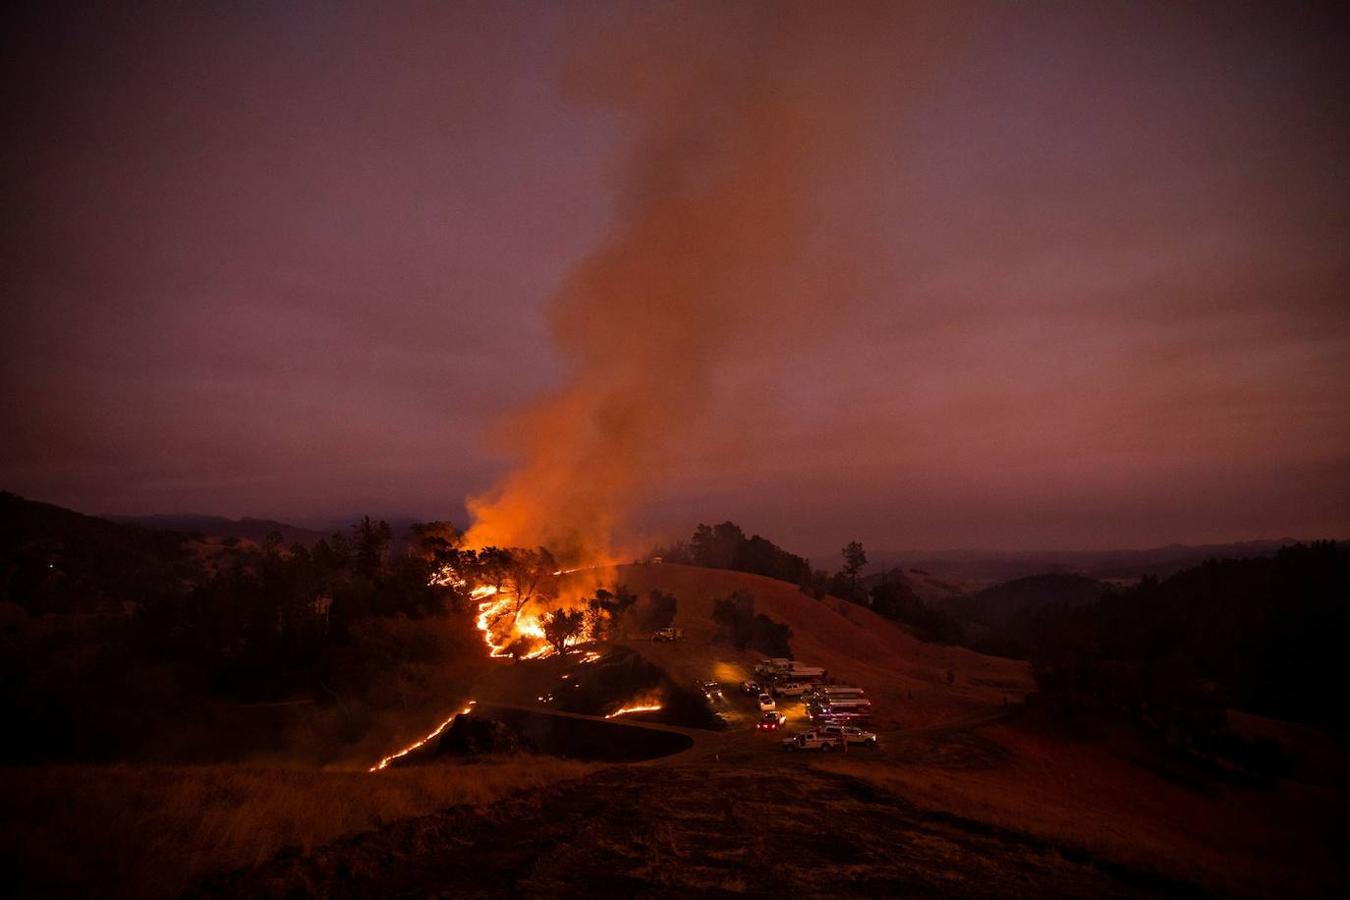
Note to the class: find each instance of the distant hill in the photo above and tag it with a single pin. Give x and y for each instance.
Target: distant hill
(993, 607)
(57, 560)
(993, 566)
(255, 530)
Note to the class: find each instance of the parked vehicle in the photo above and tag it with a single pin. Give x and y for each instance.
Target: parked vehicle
(791, 688)
(851, 735)
(669, 635)
(841, 711)
(796, 670)
(771, 667)
(771, 721)
(859, 704)
(766, 703)
(841, 691)
(842, 718)
(812, 740)
(820, 699)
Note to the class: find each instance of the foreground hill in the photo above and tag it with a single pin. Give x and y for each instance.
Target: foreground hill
(787, 829)
(945, 806)
(907, 678)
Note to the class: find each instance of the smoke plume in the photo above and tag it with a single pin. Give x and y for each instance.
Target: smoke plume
(734, 117)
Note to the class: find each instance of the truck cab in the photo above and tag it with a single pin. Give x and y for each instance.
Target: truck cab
(813, 740)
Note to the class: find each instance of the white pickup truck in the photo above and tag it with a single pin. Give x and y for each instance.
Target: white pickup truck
(813, 740)
(854, 737)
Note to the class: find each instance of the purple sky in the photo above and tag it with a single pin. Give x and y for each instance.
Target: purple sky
(298, 263)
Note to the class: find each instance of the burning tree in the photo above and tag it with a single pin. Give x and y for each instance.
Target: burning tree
(561, 627)
(524, 573)
(606, 613)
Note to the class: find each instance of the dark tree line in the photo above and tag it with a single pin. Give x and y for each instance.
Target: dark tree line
(744, 629)
(1264, 635)
(109, 631)
(725, 546)
(890, 596)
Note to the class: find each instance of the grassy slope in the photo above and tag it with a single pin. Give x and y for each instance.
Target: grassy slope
(151, 831)
(906, 677)
(1078, 794)
(1229, 838)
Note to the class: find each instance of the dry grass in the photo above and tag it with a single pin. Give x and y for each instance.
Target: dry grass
(1232, 839)
(151, 831)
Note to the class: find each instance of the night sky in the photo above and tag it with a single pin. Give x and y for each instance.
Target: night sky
(1013, 276)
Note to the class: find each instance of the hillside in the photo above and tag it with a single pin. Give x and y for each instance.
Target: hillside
(906, 677)
(992, 608)
(57, 560)
(987, 566)
(951, 803)
(255, 530)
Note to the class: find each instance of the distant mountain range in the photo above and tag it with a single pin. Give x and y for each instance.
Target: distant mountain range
(972, 567)
(218, 526)
(993, 566)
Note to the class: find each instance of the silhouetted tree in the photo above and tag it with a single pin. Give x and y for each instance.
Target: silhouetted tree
(561, 627)
(657, 612)
(855, 557)
(527, 574)
(372, 543)
(436, 541)
(895, 599)
(716, 547)
(739, 624)
(608, 613)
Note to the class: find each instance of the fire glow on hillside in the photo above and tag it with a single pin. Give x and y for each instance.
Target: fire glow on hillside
(510, 627)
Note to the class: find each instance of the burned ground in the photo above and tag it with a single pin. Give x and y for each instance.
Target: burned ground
(676, 830)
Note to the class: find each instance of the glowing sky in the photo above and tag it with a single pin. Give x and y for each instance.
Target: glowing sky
(1087, 269)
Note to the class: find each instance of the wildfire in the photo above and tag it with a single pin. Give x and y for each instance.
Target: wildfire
(384, 763)
(503, 621)
(633, 709)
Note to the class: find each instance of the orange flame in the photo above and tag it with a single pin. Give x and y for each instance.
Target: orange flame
(633, 709)
(384, 763)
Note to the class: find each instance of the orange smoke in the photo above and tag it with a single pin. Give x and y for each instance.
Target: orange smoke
(732, 115)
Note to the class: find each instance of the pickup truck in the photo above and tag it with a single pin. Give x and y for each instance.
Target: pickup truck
(813, 740)
(851, 735)
(791, 689)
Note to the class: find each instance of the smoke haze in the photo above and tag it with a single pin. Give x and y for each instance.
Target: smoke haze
(735, 120)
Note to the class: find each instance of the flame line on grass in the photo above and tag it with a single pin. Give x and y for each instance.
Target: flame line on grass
(384, 763)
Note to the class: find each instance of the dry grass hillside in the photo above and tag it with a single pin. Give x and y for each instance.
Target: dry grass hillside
(151, 831)
(907, 678)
